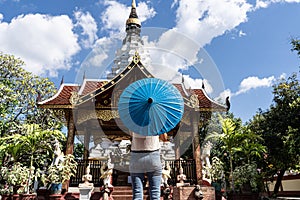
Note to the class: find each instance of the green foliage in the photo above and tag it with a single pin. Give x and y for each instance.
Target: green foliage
(279, 127)
(63, 171)
(296, 45)
(238, 145)
(78, 150)
(31, 142)
(217, 169)
(246, 175)
(19, 91)
(16, 177)
(32, 147)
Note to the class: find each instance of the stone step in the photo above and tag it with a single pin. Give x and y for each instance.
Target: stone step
(119, 193)
(127, 197)
(126, 192)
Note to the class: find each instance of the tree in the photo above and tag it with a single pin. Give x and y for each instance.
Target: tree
(229, 137)
(19, 92)
(78, 150)
(240, 145)
(18, 95)
(295, 45)
(279, 127)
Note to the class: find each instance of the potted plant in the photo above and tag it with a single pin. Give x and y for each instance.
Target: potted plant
(58, 174)
(246, 182)
(5, 192)
(16, 178)
(31, 146)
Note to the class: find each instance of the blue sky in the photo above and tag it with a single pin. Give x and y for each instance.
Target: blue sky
(246, 43)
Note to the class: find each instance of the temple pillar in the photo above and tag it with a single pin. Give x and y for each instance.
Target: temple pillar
(196, 145)
(70, 140)
(87, 136)
(176, 141)
(71, 132)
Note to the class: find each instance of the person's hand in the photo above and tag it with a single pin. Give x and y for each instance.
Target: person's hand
(163, 137)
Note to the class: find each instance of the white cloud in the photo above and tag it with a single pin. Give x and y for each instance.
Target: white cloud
(241, 33)
(46, 43)
(282, 76)
(246, 85)
(197, 23)
(197, 84)
(1, 17)
(223, 95)
(205, 20)
(266, 3)
(254, 82)
(115, 16)
(89, 27)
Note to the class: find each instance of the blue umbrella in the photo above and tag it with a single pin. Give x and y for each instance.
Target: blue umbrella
(150, 107)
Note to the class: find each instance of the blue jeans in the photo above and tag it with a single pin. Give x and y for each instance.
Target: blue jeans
(150, 164)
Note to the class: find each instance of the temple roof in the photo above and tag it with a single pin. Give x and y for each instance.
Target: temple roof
(62, 98)
(71, 95)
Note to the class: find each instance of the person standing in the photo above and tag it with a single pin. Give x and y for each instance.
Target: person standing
(145, 159)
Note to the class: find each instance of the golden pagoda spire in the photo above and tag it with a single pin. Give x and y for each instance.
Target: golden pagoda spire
(133, 18)
(133, 4)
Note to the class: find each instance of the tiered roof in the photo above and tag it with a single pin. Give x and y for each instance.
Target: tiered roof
(94, 87)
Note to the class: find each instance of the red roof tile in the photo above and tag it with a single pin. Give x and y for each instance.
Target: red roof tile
(204, 101)
(62, 96)
(90, 86)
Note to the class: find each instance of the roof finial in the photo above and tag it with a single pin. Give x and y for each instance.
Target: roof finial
(133, 4)
(133, 18)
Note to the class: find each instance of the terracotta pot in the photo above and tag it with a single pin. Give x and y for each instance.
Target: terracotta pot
(55, 196)
(16, 197)
(27, 196)
(43, 194)
(6, 197)
(56, 188)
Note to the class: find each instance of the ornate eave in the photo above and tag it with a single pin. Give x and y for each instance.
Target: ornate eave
(135, 63)
(61, 100)
(89, 99)
(206, 104)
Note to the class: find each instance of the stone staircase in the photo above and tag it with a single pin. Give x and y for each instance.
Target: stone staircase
(125, 193)
(119, 193)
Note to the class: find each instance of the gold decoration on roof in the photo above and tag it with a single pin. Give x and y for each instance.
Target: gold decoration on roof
(105, 115)
(133, 21)
(136, 58)
(74, 98)
(194, 101)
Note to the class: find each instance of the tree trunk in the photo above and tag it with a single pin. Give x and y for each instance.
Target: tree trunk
(278, 181)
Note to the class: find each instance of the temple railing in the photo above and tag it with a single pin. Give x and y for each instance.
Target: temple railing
(95, 166)
(189, 169)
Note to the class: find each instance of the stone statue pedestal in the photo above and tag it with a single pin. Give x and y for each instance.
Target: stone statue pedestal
(188, 193)
(85, 191)
(182, 184)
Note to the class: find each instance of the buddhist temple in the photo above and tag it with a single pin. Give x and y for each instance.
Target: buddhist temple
(90, 113)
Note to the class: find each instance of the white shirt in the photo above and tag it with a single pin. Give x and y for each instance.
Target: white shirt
(144, 143)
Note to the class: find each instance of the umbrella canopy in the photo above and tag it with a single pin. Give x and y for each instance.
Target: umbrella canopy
(150, 107)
